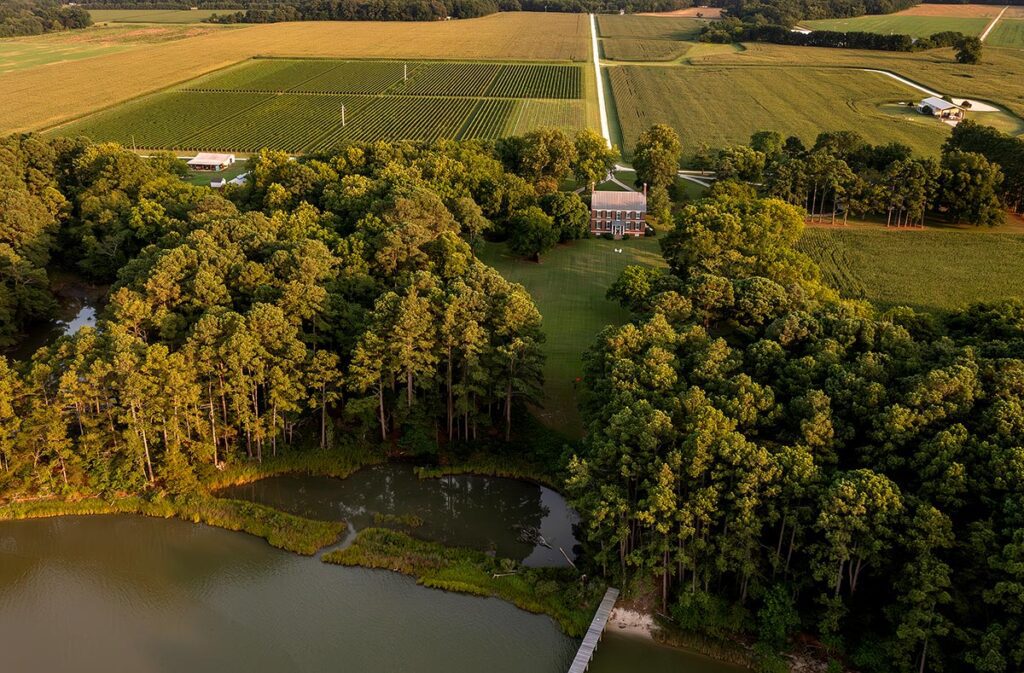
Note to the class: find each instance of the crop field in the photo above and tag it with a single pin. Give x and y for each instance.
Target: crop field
(63, 91)
(1007, 33)
(296, 105)
(154, 15)
(572, 319)
(999, 78)
(916, 26)
(931, 270)
(721, 106)
(28, 52)
(648, 27)
(634, 49)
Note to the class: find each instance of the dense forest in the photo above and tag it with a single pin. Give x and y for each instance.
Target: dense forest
(783, 461)
(790, 12)
(336, 293)
(35, 17)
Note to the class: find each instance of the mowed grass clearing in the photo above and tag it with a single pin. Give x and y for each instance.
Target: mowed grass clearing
(932, 269)
(569, 286)
(154, 15)
(317, 105)
(722, 106)
(915, 26)
(64, 91)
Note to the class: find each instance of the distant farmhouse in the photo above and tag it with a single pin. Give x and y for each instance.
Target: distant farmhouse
(941, 108)
(209, 161)
(618, 213)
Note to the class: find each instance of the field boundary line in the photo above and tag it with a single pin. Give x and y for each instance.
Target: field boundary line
(989, 27)
(602, 110)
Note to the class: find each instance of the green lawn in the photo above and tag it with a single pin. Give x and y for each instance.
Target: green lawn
(1007, 33)
(915, 26)
(204, 178)
(724, 105)
(569, 286)
(932, 270)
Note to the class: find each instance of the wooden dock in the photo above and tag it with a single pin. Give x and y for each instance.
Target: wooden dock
(589, 644)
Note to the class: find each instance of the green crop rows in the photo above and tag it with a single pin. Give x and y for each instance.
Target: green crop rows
(297, 105)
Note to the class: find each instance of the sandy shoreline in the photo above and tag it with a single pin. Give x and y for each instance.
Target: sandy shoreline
(631, 622)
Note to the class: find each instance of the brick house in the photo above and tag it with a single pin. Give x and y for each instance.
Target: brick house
(618, 213)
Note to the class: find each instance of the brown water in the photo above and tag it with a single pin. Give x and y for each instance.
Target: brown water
(124, 593)
(515, 519)
(619, 653)
(78, 302)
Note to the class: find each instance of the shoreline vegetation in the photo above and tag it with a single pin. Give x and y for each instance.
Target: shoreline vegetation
(556, 592)
(280, 529)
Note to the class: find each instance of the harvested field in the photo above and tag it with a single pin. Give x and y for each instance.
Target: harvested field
(296, 105)
(64, 91)
(154, 15)
(721, 106)
(28, 52)
(689, 13)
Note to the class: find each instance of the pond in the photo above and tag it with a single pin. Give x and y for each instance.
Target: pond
(78, 302)
(126, 593)
(516, 519)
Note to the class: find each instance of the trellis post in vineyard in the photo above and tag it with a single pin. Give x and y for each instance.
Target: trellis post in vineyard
(343, 115)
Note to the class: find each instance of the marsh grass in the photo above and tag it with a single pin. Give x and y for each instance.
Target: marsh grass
(557, 592)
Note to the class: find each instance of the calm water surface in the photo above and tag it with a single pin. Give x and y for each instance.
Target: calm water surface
(78, 302)
(619, 653)
(508, 516)
(125, 593)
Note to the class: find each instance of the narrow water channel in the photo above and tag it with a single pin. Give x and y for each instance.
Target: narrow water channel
(78, 303)
(515, 519)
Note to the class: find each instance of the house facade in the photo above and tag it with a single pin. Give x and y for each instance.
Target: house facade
(620, 214)
(210, 161)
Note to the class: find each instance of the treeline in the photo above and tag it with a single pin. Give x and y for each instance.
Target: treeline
(1000, 148)
(336, 294)
(771, 460)
(843, 175)
(790, 12)
(393, 10)
(35, 17)
(733, 30)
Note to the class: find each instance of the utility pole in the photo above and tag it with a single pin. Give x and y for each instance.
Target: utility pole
(343, 115)
(405, 72)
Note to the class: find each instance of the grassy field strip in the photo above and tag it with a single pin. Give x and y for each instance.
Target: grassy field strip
(915, 26)
(596, 55)
(1009, 33)
(569, 287)
(154, 15)
(904, 80)
(71, 89)
(992, 25)
(932, 270)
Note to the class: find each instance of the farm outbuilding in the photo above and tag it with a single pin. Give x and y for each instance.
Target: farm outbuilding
(618, 213)
(941, 108)
(210, 161)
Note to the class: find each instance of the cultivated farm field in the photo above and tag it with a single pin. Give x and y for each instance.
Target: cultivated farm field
(154, 15)
(932, 269)
(916, 26)
(1007, 33)
(63, 91)
(20, 53)
(721, 106)
(296, 105)
(646, 38)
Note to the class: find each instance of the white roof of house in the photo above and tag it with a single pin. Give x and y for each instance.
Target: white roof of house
(936, 103)
(207, 158)
(618, 201)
